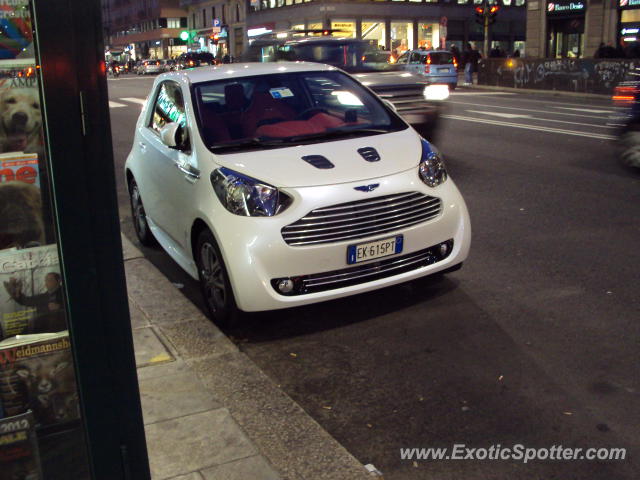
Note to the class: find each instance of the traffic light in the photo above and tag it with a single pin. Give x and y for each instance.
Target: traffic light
(493, 13)
(479, 12)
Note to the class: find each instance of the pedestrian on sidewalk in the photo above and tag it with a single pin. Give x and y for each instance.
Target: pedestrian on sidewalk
(455, 52)
(471, 58)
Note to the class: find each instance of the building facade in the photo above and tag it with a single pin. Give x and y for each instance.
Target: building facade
(576, 29)
(217, 26)
(393, 24)
(137, 29)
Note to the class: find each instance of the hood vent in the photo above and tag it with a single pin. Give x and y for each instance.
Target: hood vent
(370, 154)
(318, 161)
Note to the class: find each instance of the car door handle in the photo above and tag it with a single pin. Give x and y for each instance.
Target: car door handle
(143, 146)
(190, 174)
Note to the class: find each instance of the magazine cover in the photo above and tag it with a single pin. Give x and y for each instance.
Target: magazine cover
(36, 373)
(15, 21)
(20, 112)
(19, 457)
(20, 167)
(31, 298)
(22, 151)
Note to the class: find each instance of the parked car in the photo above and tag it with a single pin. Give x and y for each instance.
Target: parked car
(277, 185)
(437, 66)
(194, 59)
(407, 92)
(150, 66)
(626, 119)
(379, 59)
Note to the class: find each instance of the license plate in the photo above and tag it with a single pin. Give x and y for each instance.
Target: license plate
(372, 250)
(443, 70)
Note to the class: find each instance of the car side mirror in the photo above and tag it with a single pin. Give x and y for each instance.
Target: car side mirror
(172, 135)
(390, 105)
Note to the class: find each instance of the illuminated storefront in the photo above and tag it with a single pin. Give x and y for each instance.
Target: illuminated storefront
(566, 20)
(374, 31)
(629, 27)
(429, 35)
(394, 25)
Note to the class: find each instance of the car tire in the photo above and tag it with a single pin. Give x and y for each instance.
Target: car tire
(629, 147)
(139, 217)
(214, 282)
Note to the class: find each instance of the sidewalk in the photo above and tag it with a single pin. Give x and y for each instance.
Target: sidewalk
(209, 412)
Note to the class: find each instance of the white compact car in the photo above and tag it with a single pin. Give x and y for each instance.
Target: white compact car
(285, 184)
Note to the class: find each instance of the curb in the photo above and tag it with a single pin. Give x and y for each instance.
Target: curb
(291, 440)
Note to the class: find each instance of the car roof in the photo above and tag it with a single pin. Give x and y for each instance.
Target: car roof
(419, 50)
(324, 39)
(235, 70)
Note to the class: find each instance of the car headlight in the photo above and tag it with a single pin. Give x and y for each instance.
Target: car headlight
(432, 170)
(246, 196)
(436, 92)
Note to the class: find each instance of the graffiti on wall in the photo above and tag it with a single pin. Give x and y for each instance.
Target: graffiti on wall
(569, 74)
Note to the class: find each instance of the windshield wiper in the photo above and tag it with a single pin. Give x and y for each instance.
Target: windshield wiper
(246, 142)
(336, 134)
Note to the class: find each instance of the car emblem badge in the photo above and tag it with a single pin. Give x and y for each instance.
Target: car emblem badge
(367, 188)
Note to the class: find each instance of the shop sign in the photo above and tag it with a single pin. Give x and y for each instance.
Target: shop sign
(567, 7)
(629, 3)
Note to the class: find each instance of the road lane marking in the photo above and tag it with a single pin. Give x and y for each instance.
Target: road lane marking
(512, 115)
(500, 114)
(485, 121)
(455, 94)
(116, 104)
(553, 102)
(520, 109)
(588, 110)
(141, 101)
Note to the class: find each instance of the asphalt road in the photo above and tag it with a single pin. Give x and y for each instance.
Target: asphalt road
(534, 342)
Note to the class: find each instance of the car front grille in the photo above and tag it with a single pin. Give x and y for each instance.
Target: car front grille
(404, 98)
(368, 272)
(362, 218)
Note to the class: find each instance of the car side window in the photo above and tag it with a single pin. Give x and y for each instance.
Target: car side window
(415, 57)
(168, 107)
(403, 59)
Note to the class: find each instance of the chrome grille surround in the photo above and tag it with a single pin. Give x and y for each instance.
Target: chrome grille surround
(362, 218)
(366, 272)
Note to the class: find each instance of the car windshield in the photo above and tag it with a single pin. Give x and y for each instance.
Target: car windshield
(287, 109)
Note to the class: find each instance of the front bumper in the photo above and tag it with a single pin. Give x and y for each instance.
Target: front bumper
(255, 252)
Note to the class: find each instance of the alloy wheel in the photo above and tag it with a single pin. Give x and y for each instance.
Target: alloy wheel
(213, 278)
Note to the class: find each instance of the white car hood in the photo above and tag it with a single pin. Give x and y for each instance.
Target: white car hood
(284, 167)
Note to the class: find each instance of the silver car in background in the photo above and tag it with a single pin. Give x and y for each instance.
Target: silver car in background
(151, 66)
